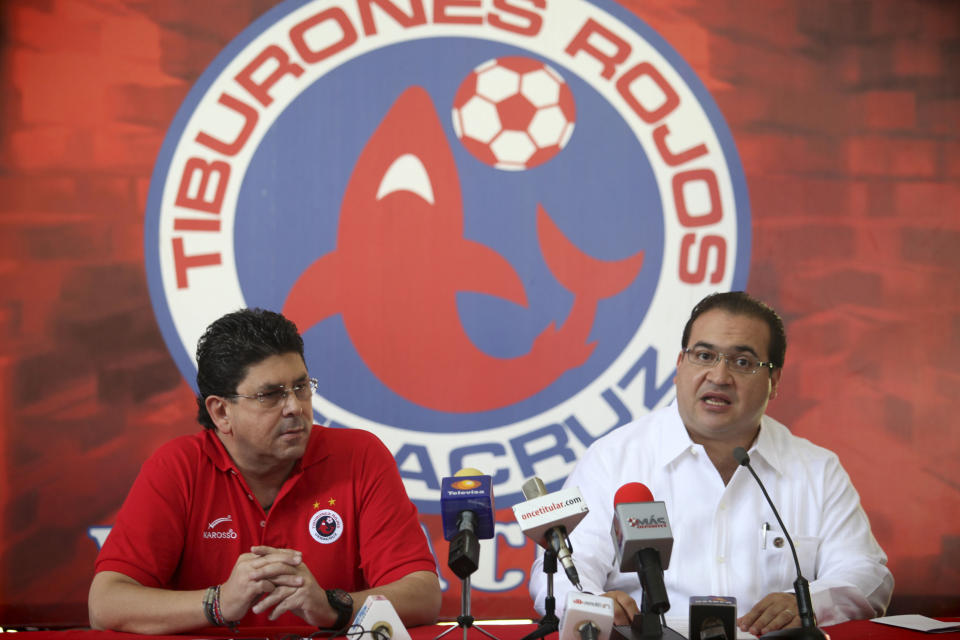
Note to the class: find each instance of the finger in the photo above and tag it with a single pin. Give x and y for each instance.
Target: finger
(767, 621)
(624, 608)
(272, 599)
(262, 550)
(292, 603)
(277, 560)
(620, 615)
(747, 619)
(779, 621)
(288, 554)
(630, 606)
(273, 570)
(288, 581)
(287, 604)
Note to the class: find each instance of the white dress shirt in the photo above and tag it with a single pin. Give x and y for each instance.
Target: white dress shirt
(726, 539)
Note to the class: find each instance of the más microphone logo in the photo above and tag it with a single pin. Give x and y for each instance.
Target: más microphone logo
(487, 222)
(647, 523)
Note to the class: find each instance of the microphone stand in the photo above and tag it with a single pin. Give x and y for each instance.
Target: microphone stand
(465, 620)
(808, 629)
(549, 622)
(647, 625)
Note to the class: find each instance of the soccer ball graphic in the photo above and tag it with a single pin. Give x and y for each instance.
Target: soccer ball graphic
(514, 113)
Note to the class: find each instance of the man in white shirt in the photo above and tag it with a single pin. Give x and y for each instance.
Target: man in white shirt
(726, 539)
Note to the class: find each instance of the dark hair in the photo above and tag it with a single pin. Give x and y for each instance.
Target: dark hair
(232, 344)
(742, 303)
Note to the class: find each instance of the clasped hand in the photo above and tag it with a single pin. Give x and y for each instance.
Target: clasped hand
(274, 580)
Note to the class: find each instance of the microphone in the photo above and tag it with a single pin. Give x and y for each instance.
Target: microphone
(587, 617)
(378, 617)
(466, 507)
(643, 540)
(641, 533)
(547, 518)
(712, 618)
(808, 629)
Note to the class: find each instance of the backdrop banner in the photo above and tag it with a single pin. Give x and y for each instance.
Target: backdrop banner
(490, 220)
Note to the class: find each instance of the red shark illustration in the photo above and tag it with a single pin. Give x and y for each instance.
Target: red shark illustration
(401, 259)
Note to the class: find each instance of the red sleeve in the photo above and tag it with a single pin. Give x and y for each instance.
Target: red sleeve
(146, 541)
(392, 543)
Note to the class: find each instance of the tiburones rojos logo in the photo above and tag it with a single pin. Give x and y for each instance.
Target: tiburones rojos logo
(489, 223)
(326, 526)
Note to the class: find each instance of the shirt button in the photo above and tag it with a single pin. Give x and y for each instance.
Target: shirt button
(723, 507)
(263, 523)
(250, 496)
(721, 560)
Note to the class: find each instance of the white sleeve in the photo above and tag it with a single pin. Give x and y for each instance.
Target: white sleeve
(852, 580)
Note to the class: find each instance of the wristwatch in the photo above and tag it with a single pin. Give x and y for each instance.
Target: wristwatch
(342, 603)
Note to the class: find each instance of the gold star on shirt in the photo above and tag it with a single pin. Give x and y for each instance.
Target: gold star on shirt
(316, 505)
(332, 501)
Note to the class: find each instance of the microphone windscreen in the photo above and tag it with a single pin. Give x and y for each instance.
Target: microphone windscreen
(468, 471)
(632, 492)
(741, 456)
(533, 488)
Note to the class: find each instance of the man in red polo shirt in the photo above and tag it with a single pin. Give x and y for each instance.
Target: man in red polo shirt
(262, 518)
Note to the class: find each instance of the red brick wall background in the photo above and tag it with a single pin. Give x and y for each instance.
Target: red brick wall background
(846, 115)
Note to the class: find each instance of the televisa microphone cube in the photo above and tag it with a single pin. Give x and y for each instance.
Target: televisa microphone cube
(467, 493)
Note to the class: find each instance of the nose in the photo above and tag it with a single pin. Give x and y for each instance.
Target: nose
(291, 405)
(720, 373)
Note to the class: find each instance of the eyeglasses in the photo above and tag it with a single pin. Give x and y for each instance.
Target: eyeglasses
(739, 363)
(275, 397)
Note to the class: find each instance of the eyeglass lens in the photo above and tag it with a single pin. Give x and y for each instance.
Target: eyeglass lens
(742, 363)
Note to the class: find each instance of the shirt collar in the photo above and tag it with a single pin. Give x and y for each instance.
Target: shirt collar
(766, 447)
(317, 450)
(216, 451)
(674, 440)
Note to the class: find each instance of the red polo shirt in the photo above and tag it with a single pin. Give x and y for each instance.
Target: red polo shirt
(190, 515)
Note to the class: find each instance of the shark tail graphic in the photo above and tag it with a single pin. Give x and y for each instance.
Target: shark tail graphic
(588, 278)
(583, 275)
(304, 305)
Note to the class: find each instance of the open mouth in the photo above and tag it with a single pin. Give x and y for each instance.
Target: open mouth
(714, 400)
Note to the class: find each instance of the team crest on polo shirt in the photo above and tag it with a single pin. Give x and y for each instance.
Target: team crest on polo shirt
(326, 526)
(488, 219)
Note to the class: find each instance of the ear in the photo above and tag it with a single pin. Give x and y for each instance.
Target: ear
(677, 370)
(217, 408)
(775, 382)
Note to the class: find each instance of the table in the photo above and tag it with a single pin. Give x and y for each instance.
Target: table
(854, 630)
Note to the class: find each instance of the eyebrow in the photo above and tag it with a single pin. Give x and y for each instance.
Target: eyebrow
(273, 386)
(740, 348)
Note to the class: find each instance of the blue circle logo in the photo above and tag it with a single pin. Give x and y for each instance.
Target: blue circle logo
(489, 227)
